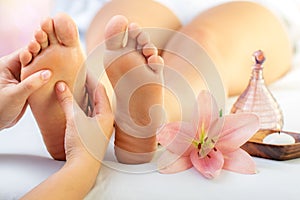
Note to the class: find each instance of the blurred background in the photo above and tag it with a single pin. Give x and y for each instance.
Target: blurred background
(19, 19)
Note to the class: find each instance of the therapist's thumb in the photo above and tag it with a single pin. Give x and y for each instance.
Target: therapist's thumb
(32, 83)
(65, 99)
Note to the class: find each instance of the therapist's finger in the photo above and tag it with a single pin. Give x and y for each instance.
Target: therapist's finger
(101, 101)
(32, 83)
(12, 62)
(65, 99)
(91, 84)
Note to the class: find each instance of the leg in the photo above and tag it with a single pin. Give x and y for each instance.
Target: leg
(57, 48)
(136, 118)
(230, 33)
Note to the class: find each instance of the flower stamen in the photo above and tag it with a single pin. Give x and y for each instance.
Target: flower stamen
(205, 139)
(199, 146)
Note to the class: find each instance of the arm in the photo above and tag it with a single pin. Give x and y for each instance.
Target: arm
(73, 181)
(78, 175)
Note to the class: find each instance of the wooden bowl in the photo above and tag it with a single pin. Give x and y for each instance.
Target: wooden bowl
(256, 147)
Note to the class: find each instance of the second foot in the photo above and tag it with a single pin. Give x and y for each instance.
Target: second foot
(135, 72)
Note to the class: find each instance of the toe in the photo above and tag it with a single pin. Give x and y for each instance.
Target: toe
(115, 32)
(143, 38)
(25, 58)
(156, 63)
(42, 38)
(66, 30)
(149, 50)
(34, 48)
(47, 26)
(133, 31)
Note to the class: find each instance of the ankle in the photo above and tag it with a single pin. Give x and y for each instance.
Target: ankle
(133, 144)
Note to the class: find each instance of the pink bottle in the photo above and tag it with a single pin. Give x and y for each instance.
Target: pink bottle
(258, 99)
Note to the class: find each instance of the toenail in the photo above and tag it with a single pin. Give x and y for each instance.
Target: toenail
(45, 75)
(61, 87)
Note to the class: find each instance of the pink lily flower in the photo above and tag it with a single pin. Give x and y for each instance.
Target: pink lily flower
(210, 143)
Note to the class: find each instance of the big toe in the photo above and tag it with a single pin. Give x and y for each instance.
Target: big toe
(115, 32)
(66, 30)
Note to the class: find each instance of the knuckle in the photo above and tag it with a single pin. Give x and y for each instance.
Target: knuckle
(67, 99)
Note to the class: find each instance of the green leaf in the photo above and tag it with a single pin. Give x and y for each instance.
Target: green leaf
(221, 113)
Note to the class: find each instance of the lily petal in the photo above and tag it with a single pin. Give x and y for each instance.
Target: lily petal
(237, 130)
(239, 161)
(206, 111)
(170, 163)
(209, 166)
(177, 137)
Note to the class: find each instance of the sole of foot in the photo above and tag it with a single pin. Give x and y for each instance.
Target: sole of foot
(135, 72)
(56, 47)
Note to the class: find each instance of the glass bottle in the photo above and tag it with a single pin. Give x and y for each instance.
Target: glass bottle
(257, 98)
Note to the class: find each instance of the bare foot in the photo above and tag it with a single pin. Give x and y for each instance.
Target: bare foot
(135, 71)
(56, 47)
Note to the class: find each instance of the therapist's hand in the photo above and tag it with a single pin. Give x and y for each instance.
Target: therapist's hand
(13, 92)
(86, 137)
(78, 175)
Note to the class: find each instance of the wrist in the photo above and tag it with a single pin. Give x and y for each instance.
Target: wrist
(84, 170)
(84, 162)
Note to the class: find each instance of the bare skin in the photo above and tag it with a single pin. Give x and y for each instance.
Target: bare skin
(231, 33)
(135, 141)
(140, 12)
(56, 47)
(12, 108)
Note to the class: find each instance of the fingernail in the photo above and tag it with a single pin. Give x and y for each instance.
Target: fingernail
(45, 75)
(61, 87)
